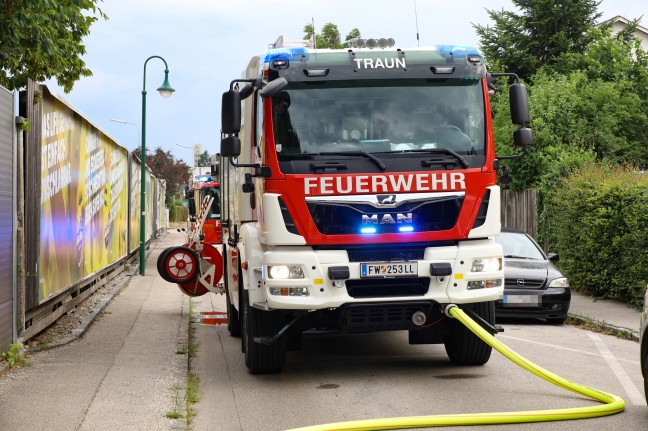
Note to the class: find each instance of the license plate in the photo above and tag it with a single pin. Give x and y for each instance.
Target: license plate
(392, 269)
(521, 300)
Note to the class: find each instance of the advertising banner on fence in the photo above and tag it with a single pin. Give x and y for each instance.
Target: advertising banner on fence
(84, 198)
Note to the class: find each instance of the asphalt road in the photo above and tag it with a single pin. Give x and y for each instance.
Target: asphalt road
(339, 378)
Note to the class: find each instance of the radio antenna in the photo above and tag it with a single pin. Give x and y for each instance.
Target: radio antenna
(416, 20)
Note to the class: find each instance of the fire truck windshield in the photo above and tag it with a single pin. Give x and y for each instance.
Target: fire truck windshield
(380, 116)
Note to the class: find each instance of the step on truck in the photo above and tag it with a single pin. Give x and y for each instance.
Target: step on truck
(359, 194)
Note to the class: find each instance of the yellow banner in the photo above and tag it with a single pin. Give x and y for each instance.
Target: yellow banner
(84, 199)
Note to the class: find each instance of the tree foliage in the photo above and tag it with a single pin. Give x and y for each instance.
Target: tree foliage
(43, 39)
(329, 36)
(165, 166)
(536, 36)
(204, 159)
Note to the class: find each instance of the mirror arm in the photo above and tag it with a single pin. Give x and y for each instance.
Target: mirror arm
(514, 156)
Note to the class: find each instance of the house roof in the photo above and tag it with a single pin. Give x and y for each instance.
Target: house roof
(626, 21)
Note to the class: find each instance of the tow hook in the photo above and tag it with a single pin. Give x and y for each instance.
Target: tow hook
(267, 341)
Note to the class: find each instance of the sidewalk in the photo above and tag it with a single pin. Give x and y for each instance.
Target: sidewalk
(613, 315)
(124, 373)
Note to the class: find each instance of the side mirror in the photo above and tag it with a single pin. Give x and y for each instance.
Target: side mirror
(192, 206)
(553, 257)
(231, 112)
(519, 101)
(273, 88)
(230, 146)
(523, 137)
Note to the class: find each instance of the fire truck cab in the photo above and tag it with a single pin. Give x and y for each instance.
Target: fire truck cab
(360, 194)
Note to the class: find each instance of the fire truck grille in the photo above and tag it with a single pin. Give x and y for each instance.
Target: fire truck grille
(336, 218)
(387, 287)
(380, 317)
(386, 255)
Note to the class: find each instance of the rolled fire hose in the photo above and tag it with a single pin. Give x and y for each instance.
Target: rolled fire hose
(612, 404)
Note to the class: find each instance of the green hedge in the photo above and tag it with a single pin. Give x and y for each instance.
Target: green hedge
(178, 213)
(599, 226)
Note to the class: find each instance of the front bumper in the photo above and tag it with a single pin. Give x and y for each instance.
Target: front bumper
(551, 303)
(324, 292)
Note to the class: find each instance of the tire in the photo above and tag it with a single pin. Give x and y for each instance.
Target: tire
(160, 262)
(233, 318)
(179, 265)
(557, 321)
(462, 346)
(259, 358)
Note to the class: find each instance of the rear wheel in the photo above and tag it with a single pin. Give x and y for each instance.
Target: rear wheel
(464, 347)
(233, 318)
(261, 358)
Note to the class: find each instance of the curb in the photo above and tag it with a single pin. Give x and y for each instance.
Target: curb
(609, 328)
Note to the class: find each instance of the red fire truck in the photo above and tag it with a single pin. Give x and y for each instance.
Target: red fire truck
(205, 186)
(360, 194)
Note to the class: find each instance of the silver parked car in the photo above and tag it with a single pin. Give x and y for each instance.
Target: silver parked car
(644, 342)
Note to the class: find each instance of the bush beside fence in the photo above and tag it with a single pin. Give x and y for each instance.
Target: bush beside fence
(600, 229)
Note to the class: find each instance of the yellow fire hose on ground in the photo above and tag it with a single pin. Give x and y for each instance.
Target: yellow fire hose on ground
(612, 404)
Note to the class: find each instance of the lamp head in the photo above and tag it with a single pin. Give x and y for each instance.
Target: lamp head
(165, 89)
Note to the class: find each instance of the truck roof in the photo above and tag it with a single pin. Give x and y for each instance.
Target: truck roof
(440, 61)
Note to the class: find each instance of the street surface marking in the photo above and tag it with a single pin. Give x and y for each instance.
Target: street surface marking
(626, 382)
(554, 346)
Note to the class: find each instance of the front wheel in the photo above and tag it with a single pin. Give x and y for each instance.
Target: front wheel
(261, 358)
(461, 344)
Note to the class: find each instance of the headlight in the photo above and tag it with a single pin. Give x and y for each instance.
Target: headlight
(285, 272)
(559, 282)
(489, 264)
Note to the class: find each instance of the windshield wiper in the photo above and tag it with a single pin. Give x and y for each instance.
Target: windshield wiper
(511, 256)
(361, 153)
(448, 151)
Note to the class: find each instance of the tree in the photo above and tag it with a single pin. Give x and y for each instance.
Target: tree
(204, 159)
(176, 173)
(42, 39)
(522, 43)
(329, 36)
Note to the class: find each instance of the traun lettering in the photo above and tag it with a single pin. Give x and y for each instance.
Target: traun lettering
(380, 63)
(421, 182)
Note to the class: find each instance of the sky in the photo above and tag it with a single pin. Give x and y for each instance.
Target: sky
(207, 43)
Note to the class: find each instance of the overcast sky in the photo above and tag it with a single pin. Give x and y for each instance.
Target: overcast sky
(207, 43)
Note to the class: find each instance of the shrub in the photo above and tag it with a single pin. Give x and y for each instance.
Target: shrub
(178, 213)
(600, 229)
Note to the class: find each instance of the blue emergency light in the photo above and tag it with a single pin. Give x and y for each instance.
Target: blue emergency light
(457, 51)
(284, 54)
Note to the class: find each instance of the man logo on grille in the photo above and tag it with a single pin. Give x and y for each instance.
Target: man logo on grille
(386, 199)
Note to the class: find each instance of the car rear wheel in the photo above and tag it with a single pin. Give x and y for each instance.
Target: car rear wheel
(464, 347)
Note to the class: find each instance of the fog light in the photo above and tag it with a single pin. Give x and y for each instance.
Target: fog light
(484, 284)
(487, 264)
(289, 291)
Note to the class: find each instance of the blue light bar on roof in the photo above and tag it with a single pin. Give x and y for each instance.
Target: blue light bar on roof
(457, 51)
(284, 54)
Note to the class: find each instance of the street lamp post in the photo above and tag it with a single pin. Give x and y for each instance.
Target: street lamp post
(189, 148)
(165, 91)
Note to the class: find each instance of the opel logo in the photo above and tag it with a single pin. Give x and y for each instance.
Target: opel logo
(520, 282)
(386, 199)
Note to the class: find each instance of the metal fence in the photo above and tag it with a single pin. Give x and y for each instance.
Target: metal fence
(7, 214)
